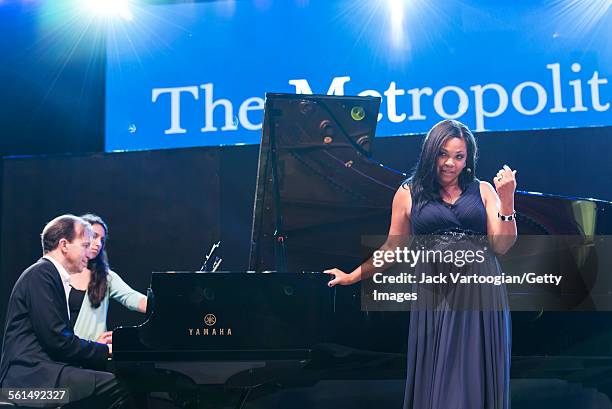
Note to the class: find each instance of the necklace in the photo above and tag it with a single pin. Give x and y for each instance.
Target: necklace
(448, 197)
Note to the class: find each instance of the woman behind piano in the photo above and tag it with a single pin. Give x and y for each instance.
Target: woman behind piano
(94, 286)
(457, 357)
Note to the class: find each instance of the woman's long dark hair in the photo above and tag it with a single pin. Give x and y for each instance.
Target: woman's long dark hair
(98, 283)
(423, 183)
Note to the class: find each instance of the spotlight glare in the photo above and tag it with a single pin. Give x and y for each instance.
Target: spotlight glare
(581, 15)
(396, 12)
(108, 8)
(397, 15)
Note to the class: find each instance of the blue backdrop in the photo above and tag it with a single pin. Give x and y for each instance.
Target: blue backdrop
(196, 74)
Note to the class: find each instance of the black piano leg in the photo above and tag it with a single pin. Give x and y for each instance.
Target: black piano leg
(244, 396)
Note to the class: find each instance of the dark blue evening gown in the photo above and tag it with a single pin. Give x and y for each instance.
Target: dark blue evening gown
(458, 358)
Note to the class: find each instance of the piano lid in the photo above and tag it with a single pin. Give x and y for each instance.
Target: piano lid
(318, 191)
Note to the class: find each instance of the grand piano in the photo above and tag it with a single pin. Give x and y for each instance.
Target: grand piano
(278, 327)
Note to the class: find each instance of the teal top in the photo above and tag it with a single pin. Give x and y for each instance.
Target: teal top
(91, 322)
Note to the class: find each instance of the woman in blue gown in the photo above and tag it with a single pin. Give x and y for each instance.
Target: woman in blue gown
(458, 355)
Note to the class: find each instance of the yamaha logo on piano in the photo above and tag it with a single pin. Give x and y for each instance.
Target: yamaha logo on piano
(209, 329)
(210, 319)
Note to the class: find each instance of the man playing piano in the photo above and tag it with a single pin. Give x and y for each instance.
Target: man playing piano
(40, 349)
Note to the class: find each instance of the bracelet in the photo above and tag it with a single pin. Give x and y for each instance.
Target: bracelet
(509, 218)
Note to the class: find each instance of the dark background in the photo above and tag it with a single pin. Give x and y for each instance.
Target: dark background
(165, 208)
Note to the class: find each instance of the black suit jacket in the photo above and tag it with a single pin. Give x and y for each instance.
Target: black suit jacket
(38, 338)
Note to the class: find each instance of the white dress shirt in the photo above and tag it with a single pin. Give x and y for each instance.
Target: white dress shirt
(65, 277)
